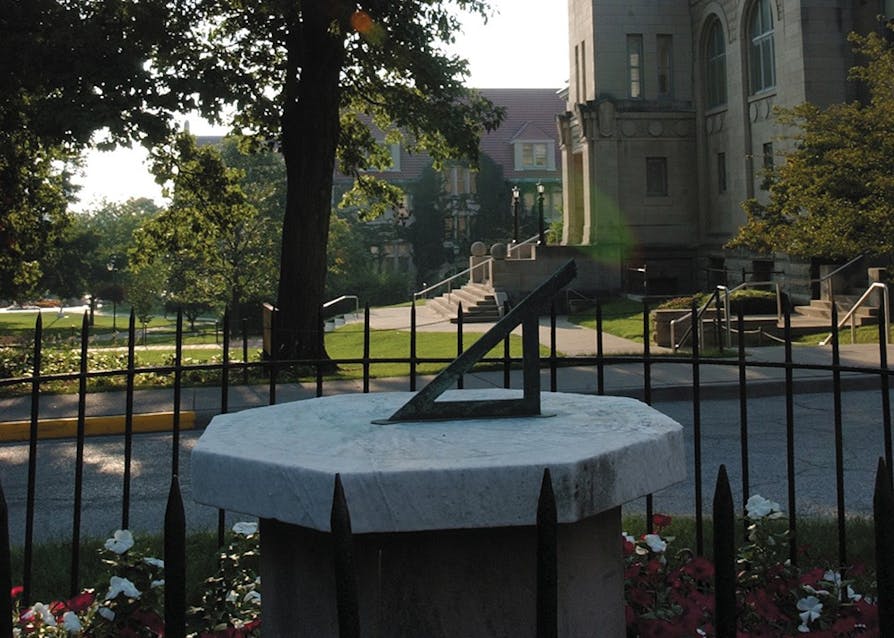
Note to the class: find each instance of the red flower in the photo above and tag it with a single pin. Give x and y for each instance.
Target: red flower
(660, 521)
(700, 569)
(16, 591)
(81, 601)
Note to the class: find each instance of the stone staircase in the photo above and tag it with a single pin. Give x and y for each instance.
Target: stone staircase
(820, 311)
(479, 304)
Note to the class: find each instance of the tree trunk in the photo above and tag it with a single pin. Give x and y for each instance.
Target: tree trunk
(310, 128)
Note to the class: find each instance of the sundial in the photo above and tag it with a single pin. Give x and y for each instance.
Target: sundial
(424, 405)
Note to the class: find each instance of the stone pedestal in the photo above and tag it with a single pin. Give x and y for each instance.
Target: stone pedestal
(443, 513)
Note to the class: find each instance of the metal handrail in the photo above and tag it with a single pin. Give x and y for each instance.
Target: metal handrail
(468, 271)
(332, 302)
(715, 296)
(839, 269)
(863, 298)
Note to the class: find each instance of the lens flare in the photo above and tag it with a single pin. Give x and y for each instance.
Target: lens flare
(363, 24)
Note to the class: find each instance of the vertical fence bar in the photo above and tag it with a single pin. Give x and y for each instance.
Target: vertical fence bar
(600, 353)
(884, 379)
(790, 435)
(319, 364)
(839, 439)
(225, 366)
(224, 408)
(346, 596)
(366, 348)
(175, 563)
(459, 340)
(743, 410)
(178, 385)
(413, 347)
(5, 570)
(274, 355)
(32, 461)
(718, 321)
(697, 434)
(244, 351)
(553, 381)
(724, 558)
(507, 357)
(883, 514)
(128, 419)
(79, 462)
(547, 560)
(647, 399)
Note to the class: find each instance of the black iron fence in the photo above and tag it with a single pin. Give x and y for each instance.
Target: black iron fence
(602, 365)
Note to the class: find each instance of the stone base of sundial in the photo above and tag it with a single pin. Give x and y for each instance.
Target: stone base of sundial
(442, 512)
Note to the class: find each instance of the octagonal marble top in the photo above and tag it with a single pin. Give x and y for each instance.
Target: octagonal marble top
(280, 461)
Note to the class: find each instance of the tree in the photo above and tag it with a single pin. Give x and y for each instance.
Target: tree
(300, 76)
(427, 231)
(212, 244)
(833, 197)
(494, 219)
(69, 70)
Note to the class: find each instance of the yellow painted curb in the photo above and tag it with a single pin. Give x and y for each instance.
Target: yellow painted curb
(95, 426)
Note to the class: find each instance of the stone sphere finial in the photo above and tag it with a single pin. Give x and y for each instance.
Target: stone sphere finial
(478, 249)
(498, 251)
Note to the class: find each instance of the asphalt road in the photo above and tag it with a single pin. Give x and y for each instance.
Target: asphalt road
(814, 451)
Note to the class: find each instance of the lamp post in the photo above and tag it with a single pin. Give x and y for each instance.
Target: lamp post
(113, 269)
(540, 189)
(515, 194)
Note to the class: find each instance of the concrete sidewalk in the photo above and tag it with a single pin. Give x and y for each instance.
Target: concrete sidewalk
(669, 378)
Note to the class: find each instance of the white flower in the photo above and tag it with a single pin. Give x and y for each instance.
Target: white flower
(71, 622)
(154, 562)
(804, 629)
(759, 507)
(245, 528)
(832, 577)
(121, 541)
(627, 537)
(852, 595)
(655, 543)
(41, 610)
(252, 596)
(106, 613)
(232, 596)
(157, 583)
(811, 608)
(118, 585)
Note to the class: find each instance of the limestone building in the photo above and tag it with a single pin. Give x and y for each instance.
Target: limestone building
(669, 123)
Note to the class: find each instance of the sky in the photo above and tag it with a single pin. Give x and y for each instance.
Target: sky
(525, 45)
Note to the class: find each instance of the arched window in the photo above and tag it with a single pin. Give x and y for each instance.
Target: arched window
(715, 65)
(761, 57)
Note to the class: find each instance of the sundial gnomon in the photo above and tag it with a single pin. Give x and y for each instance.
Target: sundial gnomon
(424, 406)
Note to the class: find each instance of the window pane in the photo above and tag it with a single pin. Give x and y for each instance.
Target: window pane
(634, 65)
(715, 68)
(656, 176)
(665, 64)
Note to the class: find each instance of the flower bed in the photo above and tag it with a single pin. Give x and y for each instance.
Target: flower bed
(668, 594)
(672, 595)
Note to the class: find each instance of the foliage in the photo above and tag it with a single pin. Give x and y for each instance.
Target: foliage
(493, 222)
(130, 602)
(426, 234)
(833, 197)
(751, 301)
(211, 243)
(310, 79)
(51, 105)
(672, 595)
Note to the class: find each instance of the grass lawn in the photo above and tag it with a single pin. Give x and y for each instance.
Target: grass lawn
(864, 334)
(18, 327)
(620, 317)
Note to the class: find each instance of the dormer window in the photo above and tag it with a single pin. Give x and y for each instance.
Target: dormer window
(535, 156)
